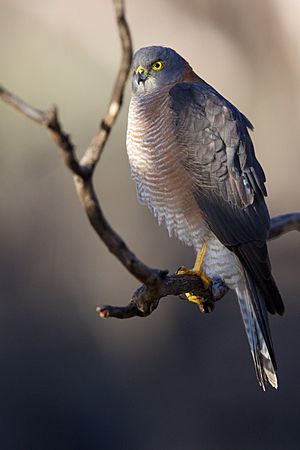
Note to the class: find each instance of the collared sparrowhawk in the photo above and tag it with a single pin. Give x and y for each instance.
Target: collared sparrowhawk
(194, 165)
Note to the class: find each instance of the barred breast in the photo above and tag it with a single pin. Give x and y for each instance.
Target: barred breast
(156, 166)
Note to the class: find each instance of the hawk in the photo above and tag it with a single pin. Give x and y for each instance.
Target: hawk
(194, 165)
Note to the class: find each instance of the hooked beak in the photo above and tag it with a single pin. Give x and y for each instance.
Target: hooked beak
(141, 75)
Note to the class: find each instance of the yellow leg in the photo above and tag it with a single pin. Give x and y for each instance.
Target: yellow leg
(198, 266)
(197, 270)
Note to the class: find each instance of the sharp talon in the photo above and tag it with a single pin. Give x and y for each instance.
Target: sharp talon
(207, 307)
(182, 271)
(194, 298)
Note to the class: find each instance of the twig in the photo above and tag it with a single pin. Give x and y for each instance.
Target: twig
(156, 283)
(48, 119)
(111, 239)
(146, 298)
(95, 149)
(284, 224)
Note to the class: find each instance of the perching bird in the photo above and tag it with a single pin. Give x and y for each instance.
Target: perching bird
(194, 165)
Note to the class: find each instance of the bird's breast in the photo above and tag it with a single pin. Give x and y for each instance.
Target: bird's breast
(156, 166)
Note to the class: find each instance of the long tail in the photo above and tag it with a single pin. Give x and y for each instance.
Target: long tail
(254, 313)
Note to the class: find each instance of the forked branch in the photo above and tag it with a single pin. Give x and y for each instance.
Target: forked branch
(157, 283)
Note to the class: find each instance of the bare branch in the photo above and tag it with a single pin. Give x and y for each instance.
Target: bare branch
(83, 171)
(48, 119)
(284, 224)
(145, 300)
(111, 239)
(156, 283)
(24, 108)
(95, 149)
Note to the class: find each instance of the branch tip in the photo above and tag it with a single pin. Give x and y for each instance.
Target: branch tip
(103, 312)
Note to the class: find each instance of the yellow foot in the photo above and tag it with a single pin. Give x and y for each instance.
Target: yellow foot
(206, 281)
(197, 270)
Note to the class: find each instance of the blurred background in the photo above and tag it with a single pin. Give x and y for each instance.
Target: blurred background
(178, 379)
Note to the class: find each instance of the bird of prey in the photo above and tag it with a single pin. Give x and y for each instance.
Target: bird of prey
(194, 165)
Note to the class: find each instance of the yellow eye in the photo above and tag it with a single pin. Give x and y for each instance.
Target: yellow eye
(157, 65)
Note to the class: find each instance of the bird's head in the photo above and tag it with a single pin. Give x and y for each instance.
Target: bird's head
(155, 67)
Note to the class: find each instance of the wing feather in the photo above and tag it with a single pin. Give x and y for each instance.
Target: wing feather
(229, 182)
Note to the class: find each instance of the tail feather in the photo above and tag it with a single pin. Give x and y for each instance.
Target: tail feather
(254, 313)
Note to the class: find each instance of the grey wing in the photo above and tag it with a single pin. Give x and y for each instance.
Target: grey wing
(228, 180)
(217, 143)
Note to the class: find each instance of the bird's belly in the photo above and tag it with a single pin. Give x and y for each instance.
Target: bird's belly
(161, 181)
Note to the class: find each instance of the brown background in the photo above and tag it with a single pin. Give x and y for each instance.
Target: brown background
(177, 380)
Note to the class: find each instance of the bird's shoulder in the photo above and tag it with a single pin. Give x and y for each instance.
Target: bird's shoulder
(208, 102)
(217, 142)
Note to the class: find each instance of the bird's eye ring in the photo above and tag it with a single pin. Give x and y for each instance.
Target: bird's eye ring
(157, 65)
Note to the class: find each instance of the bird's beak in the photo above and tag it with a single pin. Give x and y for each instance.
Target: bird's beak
(141, 74)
